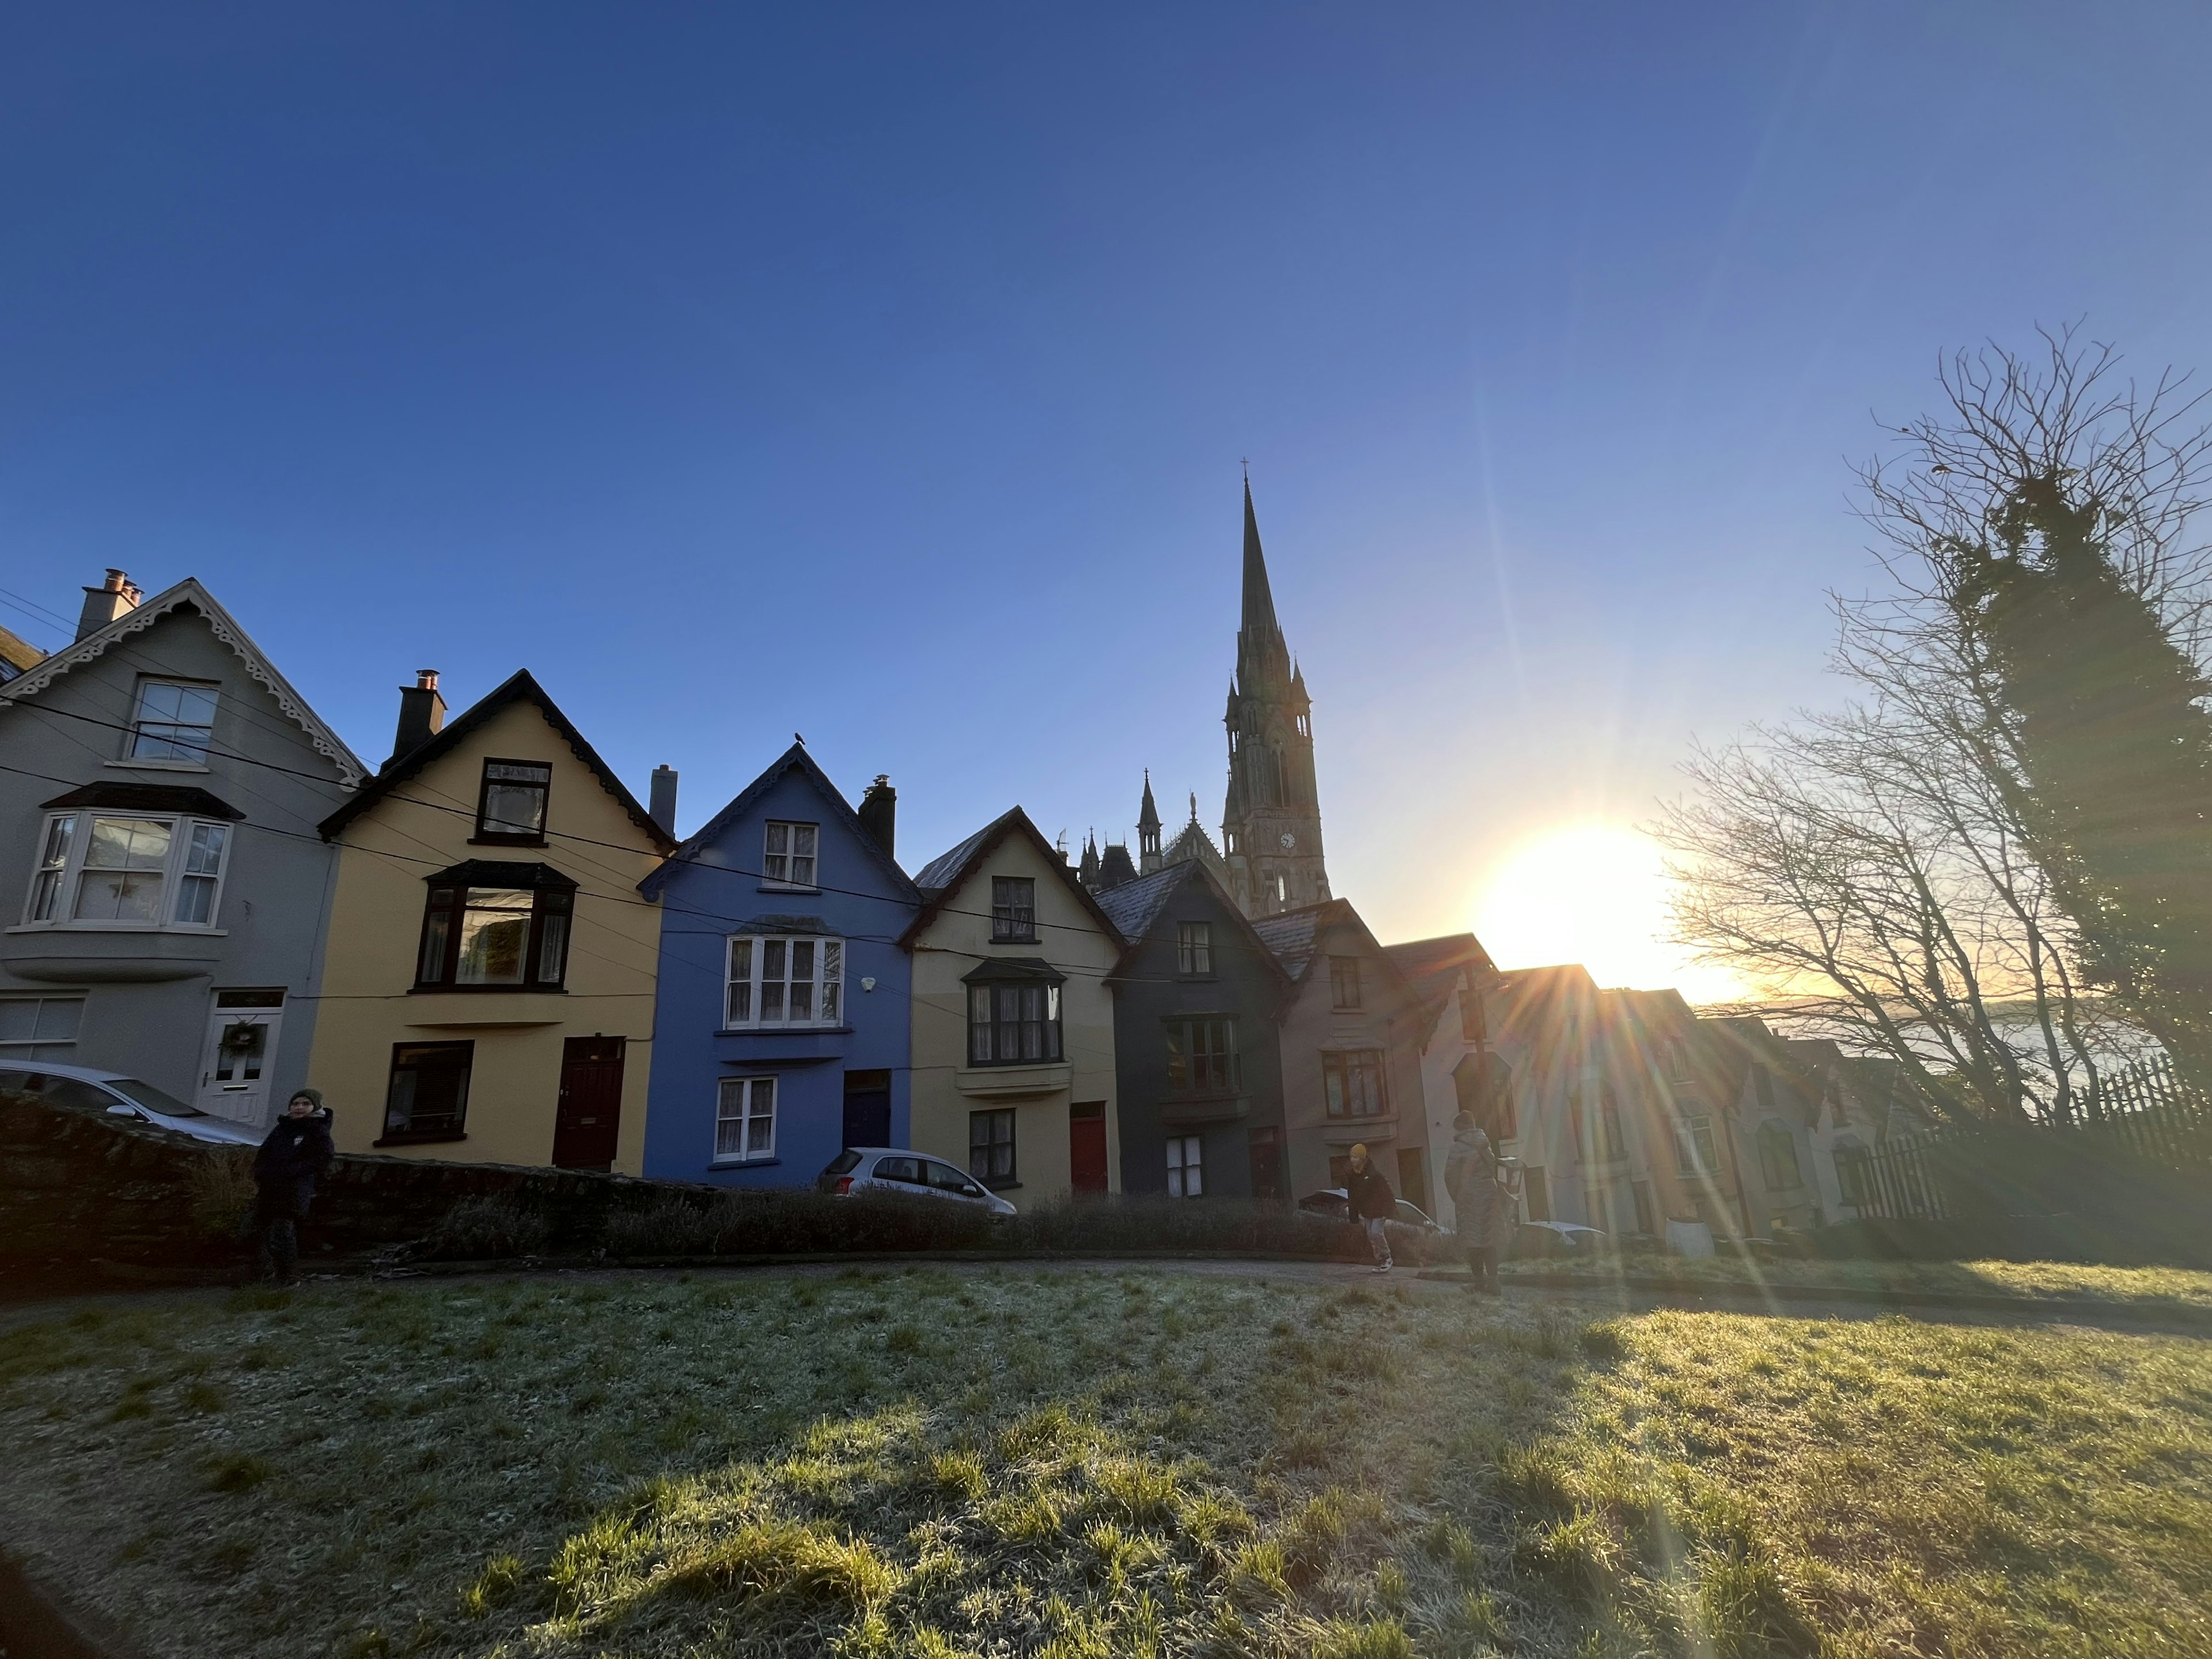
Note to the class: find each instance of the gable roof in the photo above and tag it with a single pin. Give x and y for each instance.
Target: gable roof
(1135, 908)
(189, 595)
(1432, 967)
(941, 877)
(793, 759)
(1293, 936)
(519, 687)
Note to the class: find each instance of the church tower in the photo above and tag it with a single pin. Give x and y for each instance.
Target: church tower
(1271, 821)
(1148, 832)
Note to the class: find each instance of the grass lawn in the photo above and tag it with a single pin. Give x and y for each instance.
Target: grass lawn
(2172, 1287)
(1080, 1463)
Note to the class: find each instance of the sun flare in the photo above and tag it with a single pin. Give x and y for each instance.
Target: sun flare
(1596, 894)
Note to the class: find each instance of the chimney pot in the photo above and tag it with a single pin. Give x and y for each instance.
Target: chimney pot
(661, 805)
(116, 596)
(426, 679)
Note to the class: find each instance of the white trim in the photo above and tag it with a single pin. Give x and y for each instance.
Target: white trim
(750, 1088)
(827, 980)
(68, 890)
(224, 627)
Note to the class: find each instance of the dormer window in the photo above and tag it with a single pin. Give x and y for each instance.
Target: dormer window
(173, 723)
(510, 805)
(789, 857)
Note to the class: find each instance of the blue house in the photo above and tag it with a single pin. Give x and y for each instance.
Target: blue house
(781, 1034)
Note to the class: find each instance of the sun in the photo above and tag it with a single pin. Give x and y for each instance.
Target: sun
(1596, 894)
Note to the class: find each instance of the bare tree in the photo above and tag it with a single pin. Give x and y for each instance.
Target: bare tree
(1858, 876)
(1888, 872)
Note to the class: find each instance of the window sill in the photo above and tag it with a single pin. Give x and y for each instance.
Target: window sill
(487, 990)
(180, 930)
(744, 1162)
(508, 841)
(149, 765)
(404, 1139)
(780, 887)
(783, 1031)
(1014, 939)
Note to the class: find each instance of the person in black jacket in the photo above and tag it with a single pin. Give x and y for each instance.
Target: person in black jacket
(1372, 1204)
(296, 1151)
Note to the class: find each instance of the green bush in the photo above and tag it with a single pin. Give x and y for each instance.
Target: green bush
(488, 1229)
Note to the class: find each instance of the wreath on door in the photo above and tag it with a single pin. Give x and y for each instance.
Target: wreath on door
(242, 1039)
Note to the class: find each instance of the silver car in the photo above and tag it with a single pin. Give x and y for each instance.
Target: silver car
(899, 1169)
(123, 1097)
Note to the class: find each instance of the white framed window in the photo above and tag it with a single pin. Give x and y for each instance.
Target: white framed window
(797, 981)
(96, 869)
(40, 1028)
(174, 721)
(788, 859)
(1186, 1166)
(744, 1120)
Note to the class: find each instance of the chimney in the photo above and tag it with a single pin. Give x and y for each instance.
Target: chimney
(879, 813)
(118, 595)
(662, 811)
(421, 713)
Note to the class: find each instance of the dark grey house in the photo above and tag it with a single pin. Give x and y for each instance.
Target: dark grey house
(162, 887)
(1196, 1050)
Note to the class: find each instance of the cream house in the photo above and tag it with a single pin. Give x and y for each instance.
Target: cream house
(1014, 1020)
(488, 989)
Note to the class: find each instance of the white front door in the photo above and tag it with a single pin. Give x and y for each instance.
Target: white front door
(240, 1054)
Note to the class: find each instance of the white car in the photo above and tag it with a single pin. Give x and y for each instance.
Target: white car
(125, 1096)
(898, 1169)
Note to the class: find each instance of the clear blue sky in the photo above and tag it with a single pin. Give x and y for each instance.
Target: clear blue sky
(882, 373)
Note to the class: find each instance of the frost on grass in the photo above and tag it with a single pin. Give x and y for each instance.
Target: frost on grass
(1078, 1463)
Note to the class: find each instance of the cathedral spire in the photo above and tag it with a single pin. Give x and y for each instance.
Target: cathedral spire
(1259, 597)
(1148, 831)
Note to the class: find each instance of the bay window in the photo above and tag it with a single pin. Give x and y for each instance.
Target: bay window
(129, 869)
(495, 926)
(1351, 1080)
(1202, 1057)
(784, 981)
(1013, 1015)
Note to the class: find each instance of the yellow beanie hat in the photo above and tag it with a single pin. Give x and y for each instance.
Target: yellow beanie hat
(1360, 1151)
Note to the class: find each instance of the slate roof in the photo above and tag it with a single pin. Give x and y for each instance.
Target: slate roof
(1134, 906)
(518, 687)
(1433, 963)
(943, 871)
(793, 759)
(19, 653)
(1289, 935)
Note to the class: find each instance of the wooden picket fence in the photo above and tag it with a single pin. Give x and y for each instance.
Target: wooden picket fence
(2145, 1111)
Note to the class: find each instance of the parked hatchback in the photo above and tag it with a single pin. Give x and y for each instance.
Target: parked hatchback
(897, 1169)
(125, 1096)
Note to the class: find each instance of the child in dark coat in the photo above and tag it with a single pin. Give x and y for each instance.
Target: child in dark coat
(295, 1153)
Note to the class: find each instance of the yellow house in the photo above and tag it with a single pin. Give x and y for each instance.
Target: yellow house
(1013, 1020)
(488, 985)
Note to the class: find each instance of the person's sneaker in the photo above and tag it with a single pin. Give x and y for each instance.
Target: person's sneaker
(1382, 1268)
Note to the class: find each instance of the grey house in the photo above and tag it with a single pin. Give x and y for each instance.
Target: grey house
(1197, 1001)
(162, 886)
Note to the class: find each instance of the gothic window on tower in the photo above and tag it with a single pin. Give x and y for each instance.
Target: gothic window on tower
(1305, 725)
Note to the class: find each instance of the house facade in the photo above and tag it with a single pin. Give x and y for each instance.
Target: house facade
(1351, 1040)
(1452, 975)
(1197, 1000)
(782, 1026)
(489, 984)
(167, 893)
(1013, 1032)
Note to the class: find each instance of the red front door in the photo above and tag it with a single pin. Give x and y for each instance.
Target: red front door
(1086, 1147)
(589, 1118)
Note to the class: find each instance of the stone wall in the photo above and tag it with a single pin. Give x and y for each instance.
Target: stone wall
(84, 1197)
